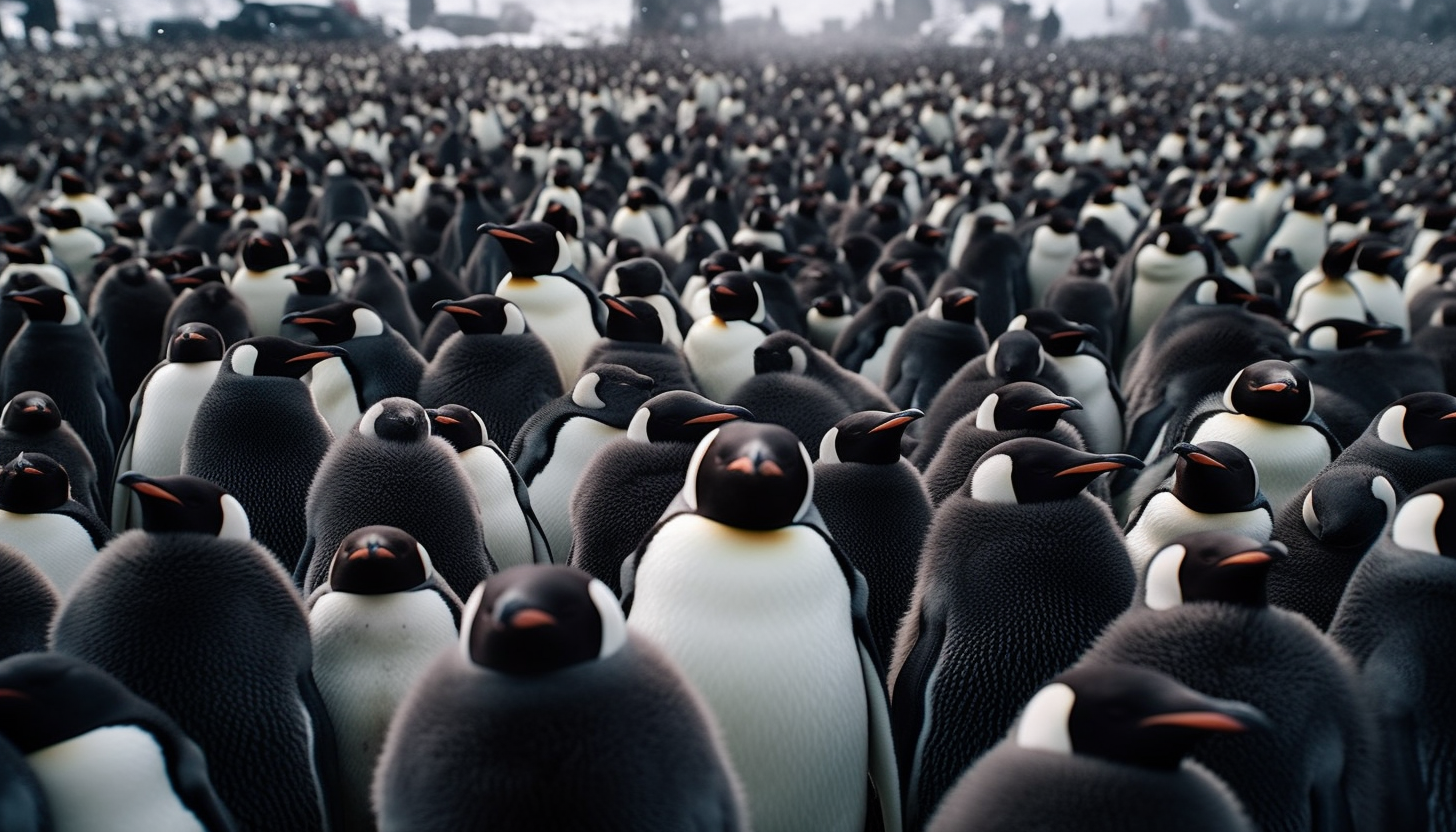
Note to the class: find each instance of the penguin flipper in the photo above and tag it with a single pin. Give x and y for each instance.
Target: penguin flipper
(540, 548)
(305, 560)
(884, 772)
(324, 752)
(1405, 808)
(910, 700)
(1146, 429)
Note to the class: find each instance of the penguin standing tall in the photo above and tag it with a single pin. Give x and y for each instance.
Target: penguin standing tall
(262, 283)
(39, 519)
(867, 344)
(1053, 248)
(377, 284)
(212, 303)
(1326, 291)
(636, 337)
(1158, 272)
(550, 686)
(719, 347)
(31, 421)
(743, 588)
(72, 244)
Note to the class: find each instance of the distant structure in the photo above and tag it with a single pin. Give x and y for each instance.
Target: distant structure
(420, 12)
(908, 15)
(682, 18)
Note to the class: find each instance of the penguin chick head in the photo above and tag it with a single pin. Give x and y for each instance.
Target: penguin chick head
(1214, 478)
(195, 343)
(680, 416)
(32, 483)
(639, 277)
(612, 388)
(314, 281)
(957, 305)
(1423, 525)
(339, 322)
(720, 262)
(633, 320)
(533, 620)
(1023, 405)
(485, 315)
(1211, 566)
(1058, 336)
(30, 412)
(1127, 714)
(1343, 334)
(264, 251)
(750, 475)
(47, 304)
(784, 351)
(395, 419)
(187, 504)
(379, 560)
(1273, 390)
(734, 296)
(271, 355)
(871, 437)
(48, 698)
(458, 425)
(533, 248)
(1034, 470)
(1349, 506)
(1420, 420)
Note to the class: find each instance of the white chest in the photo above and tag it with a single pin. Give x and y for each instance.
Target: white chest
(551, 488)
(875, 367)
(166, 415)
(1165, 519)
(507, 536)
(57, 545)
(266, 295)
(1286, 456)
(556, 310)
(110, 778)
(333, 392)
(721, 354)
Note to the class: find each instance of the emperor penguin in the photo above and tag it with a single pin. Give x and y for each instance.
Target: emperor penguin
(867, 344)
(1173, 258)
(742, 586)
(31, 421)
(636, 338)
(719, 346)
(1303, 230)
(95, 211)
(39, 519)
(549, 685)
(933, 346)
(1326, 291)
(1412, 442)
(385, 361)
(1052, 248)
(643, 277)
(1089, 374)
(262, 281)
(72, 244)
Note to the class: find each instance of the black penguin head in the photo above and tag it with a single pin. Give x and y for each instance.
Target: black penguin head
(1343, 334)
(1215, 289)
(194, 343)
(1338, 259)
(133, 273)
(534, 248)
(633, 319)
(1015, 356)
(187, 504)
(720, 262)
(1376, 258)
(485, 315)
(1214, 477)
(47, 304)
(70, 182)
(1127, 714)
(1023, 405)
(270, 355)
(836, 305)
(734, 296)
(1273, 390)
(957, 305)
(1348, 506)
(30, 412)
(395, 419)
(871, 437)
(533, 620)
(192, 278)
(265, 250)
(62, 219)
(750, 475)
(626, 248)
(892, 306)
(925, 235)
(615, 390)
(1211, 566)
(639, 277)
(680, 416)
(1423, 525)
(1058, 336)
(1445, 314)
(1177, 239)
(32, 483)
(1034, 470)
(773, 260)
(48, 698)
(1062, 221)
(339, 322)
(1420, 420)
(458, 425)
(379, 560)
(314, 281)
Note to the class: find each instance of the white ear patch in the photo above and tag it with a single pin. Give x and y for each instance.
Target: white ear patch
(1380, 487)
(367, 323)
(1228, 394)
(991, 481)
(614, 623)
(515, 320)
(1206, 294)
(1391, 429)
(235, 523)
(366, 422)
(426, 559)
(761, 313)
(1415, 524)
(1325, 339)
(637, 428)
(1043, 723)
(74, 315)
(798, 360)
(563, 255)
(584, 394)
(829, 454)
(986, 413)
(244, 359)
(1163, 590)
(808, 502)
(690, 483)
(991, 358)
(1017, 323)
(936, 310)
(1311, 520)
(467, 620)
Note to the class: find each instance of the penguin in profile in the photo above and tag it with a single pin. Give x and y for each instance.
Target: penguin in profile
(1104, 748)
(1357, 368)
(993, 569)
(72, 244)
(865, 346)
(31, 421)
(1052, 248)
(876, 509)
(504, 711)
(377, 284)
(28, 602)
(388, 470)
(165, 404)
(39, 519)
(258, 436)
(1303, 230)
(494, 365)
(386, 363)
(376, 623)
(932, 347)
(313, 288)
(719, 347)
(104, 757)
(1089, 374)
(556, 444)
(1203, 619)
(194, 616)
(631, 481)
(828, 316)
(1412, 442)
(807, 666)
(635, 337)
(789, 352)
(643, 277)
(1084, 294)
(1379, 287)
(262, 281)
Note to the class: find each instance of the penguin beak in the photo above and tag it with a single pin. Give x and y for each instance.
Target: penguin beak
(144, 486)
(371, 551)
(24, 299)
(904, 417)
(619, 306)
(517, 616)
(1448, 416)
(1193, 453)
(1068, 333)
(971, 298)
(316, 355)
(1198, 721)
(1371, 334)
(503, 234)
(756, 464)
(454, 308)
(306, 320)
(711, 418)
(725, 291)
(1111, 462)
(190, 336)
(1247, 559)
(1058, 405)
(1276, 387)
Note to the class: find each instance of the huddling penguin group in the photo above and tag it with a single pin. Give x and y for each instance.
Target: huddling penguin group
(645, 440)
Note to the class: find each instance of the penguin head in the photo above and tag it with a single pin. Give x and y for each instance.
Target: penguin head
(611, 388)
(264, 250)
(1376, 258)
(1349, 506)
(70, 182)
(192, 278)
(1015, 355)
(1035, 470)
(750, 475)
(782, 352)
(458, 425)
(533, 620)
(32, 483)
(1177, 239)
(720, 262)
(133, 273)
(734, 296)
(1023, 405)
(1273, 390)
(871, 437)
(395, 419)
(314, 281)
(1334, 334)
(30, 412)
(1214, 477)
(680, 416)
(270, 355)
(1062, 221)
(836, 305)
(625, 248)
(48, 698)
(634, 320)
(925, 234)
(1422, 523)
(187, 504)
(62, 219)
(1127, 714)
(1211, 566)
(1420, 420)
(639, 277)
(379, 560)
(485, 315)
(48, 304)
(1338, 259)
(533, 248)
(1445, 314)
(195, 343)
(339, 322)
(894, 272)
(957, 305)
(1214, 290)
(1058, 336)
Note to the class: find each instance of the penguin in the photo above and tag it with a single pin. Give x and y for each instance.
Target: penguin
(1157, 273)
(1326, 292)
(1380, 289)
(1214, 487)
(93, 209)
(378, 285)
(1104, 748)
(262, 282)
(1089, 374)
(258, 435)
(828, 316)
(211, 303)
(694, 292)
(128, 308)
(388, 470)
(28, 602)
(784, 393)
(992, 571)
(798, 693)
(719, 346)
(494, 365)
(556, 301)
(31, 421)
(72, 244)
(1052, 249)
(555, 445)
(386, 364)
(504, 713)
(376, 624)
(992, 264)
(1203, 619)
(1303, 230)
(865, 346)
(1277, 274)
(643, 277)
(39, 519)
(789, 352)
(1236, 212)
(932, 347)
(1412, 442)
(1084, 295)
(876, 509)
(513, 535)
(636, 338)
(1437, 341)
(105, 757)
(1392, 621)
(897, 273)
(194, 616)
(632, 220)
(313, 288)
(1358, 368)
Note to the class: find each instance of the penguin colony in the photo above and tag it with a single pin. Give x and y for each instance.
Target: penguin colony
(605, 440)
